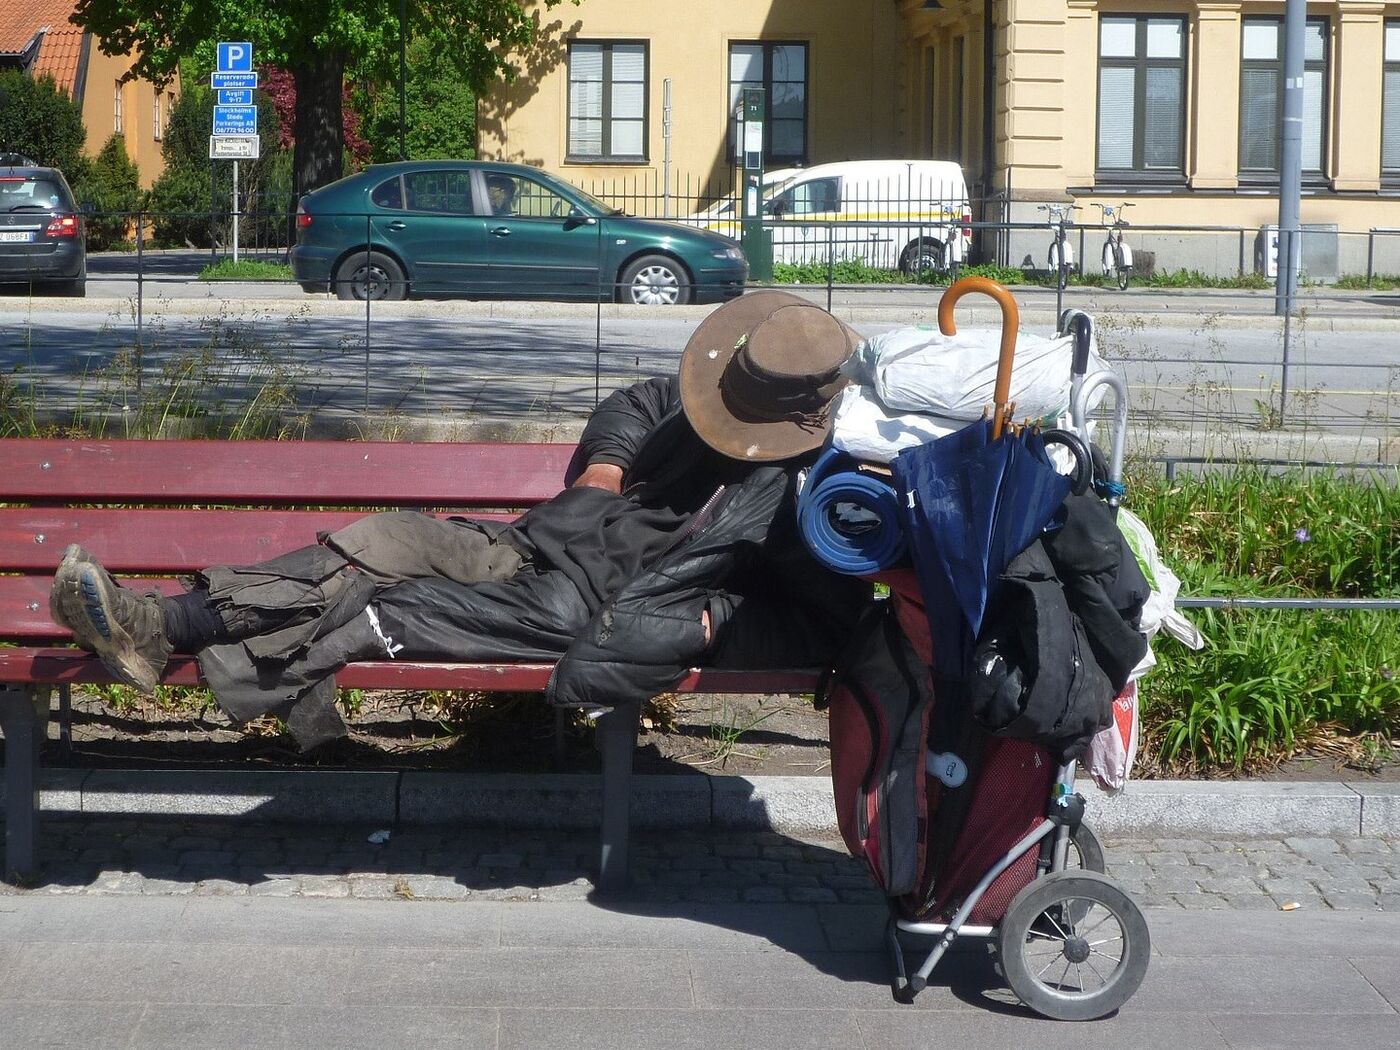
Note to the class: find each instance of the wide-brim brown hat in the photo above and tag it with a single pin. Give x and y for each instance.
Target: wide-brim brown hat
(758, 375)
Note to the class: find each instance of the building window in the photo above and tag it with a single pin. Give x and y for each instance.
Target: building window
(1390, 115)
(169, 107)
(781, 70)
(1142, 94)
(117, 108)
(607, 101)
(155, 116)
(1261, 96)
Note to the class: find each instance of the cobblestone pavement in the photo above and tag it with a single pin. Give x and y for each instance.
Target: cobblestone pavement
(173, 857)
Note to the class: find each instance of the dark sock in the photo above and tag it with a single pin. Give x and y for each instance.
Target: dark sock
(191, 622)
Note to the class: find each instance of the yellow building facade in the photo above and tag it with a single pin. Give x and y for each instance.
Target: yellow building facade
(1170, 105)
(37, 37)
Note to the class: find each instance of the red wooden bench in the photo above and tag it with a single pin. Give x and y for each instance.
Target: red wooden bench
(162, 509)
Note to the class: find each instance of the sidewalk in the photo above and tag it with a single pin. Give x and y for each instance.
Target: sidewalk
(154, 934)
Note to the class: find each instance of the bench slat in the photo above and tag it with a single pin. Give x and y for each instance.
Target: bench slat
(370, 473)
(24, 604)
(32, 539)
(73, 666)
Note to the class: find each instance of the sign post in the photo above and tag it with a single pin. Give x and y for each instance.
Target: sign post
(235, 136)
(757, 242)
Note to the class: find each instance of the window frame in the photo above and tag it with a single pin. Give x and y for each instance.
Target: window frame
(118, 110)
(1140, 63)
(606, 156)
(1389, 176)
(731, 123)
(156, 125)
(1270, 176)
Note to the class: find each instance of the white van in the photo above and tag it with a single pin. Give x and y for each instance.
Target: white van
(723, 215)
(913, 214)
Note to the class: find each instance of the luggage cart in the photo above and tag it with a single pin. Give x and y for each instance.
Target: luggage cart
(1071, 945)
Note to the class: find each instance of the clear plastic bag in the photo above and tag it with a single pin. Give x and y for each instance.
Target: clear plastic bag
(952, 376)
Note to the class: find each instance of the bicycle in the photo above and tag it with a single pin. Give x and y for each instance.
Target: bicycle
(1060, 259)
(1117, 256)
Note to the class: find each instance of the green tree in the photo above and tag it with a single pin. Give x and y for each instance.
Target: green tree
(112, 185)
(317, 40)
(41, 122)
(440, 107)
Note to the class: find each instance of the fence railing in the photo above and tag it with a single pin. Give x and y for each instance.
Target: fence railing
(1194, 376)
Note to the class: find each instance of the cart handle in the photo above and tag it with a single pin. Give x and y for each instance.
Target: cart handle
(1010, 325)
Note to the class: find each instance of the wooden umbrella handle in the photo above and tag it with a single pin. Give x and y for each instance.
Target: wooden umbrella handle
(1010, 325)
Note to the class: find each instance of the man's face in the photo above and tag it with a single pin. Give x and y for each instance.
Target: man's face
(500, 195)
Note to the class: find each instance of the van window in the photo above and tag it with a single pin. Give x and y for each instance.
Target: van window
(808, 198)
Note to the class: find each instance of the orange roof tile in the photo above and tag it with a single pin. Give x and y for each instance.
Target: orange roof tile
(62, 47)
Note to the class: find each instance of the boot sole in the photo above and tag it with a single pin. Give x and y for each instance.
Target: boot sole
(84, 606)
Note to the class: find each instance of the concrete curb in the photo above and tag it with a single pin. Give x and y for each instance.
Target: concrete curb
(1037, 312)
(802, 805)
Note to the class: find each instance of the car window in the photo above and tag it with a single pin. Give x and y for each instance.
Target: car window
(808, 198)
(387, 194)
(29, 191)
(512, 194)
(440, 191)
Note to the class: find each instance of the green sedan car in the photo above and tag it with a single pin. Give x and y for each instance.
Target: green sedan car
(489, 230)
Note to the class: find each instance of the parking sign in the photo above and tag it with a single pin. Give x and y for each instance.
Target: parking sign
(235, 56)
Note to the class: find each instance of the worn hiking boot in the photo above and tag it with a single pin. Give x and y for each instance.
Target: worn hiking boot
(125, 629)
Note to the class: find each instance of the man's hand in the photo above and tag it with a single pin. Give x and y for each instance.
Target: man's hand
(600, 476)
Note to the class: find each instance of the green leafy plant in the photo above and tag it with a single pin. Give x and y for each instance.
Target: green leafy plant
(111, 184)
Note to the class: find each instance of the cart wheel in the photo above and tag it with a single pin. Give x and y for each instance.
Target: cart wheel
(1073, 946)
(1085, 843)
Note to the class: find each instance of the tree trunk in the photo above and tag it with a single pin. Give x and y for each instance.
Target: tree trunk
(318, 157)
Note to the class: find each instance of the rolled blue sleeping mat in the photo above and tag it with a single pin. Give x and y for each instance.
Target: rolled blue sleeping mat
(849, 519)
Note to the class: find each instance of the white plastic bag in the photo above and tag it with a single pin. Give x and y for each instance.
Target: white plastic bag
(1113, 750)
(865, 429)
(924, 371)
(1159, 613)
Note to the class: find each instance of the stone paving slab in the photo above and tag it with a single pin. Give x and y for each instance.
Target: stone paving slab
(124, 856)
(201, 989)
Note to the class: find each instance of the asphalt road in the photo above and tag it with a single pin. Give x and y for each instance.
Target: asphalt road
(550, 361)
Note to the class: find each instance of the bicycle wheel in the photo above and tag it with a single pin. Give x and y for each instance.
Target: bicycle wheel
(1123, 268)
(1057, 265)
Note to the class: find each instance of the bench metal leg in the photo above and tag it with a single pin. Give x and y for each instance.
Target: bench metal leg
(617, 740)
(24, 715)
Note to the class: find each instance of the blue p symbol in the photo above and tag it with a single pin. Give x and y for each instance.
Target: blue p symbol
(235, 57)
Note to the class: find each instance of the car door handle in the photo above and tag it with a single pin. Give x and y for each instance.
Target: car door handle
(501, 231)
(398, 224)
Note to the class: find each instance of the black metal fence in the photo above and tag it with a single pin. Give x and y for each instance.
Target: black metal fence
(1319, 368)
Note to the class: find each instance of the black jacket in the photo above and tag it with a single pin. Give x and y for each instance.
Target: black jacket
(739, 554)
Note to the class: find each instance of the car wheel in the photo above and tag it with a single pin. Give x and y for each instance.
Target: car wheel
(370, 275)
(922, 256)
(654, 280)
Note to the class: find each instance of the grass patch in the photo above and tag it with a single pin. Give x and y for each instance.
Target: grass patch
(245, 270)
(1380, 282)
(852, 271)
(1271, 682)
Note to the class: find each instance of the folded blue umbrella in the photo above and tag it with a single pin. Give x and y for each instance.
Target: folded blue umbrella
(970, 504)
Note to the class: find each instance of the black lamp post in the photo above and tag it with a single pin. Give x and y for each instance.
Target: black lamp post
(403, 65)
